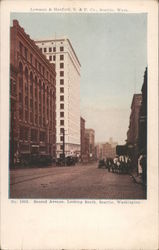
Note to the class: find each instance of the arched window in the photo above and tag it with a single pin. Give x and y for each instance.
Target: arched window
(31, 84)
(20, 68)
(26, 73)
(20, 76)
(36, 89)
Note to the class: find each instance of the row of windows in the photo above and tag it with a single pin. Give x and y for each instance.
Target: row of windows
(24, 51)
(36, 118)
(24, 134)
(52, 49)
(53, 58)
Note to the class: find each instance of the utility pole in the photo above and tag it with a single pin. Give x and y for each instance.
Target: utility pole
(64, 145)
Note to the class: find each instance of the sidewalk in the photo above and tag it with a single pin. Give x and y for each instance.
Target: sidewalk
(136, 178)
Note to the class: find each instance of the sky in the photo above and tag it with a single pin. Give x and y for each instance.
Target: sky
(112, 50)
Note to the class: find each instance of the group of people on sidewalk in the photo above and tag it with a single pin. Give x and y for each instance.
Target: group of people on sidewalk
(123, 164)
(120, 164)
(142, 169)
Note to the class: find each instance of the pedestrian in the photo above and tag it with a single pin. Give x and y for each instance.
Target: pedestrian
(140, 165)
(144, 169)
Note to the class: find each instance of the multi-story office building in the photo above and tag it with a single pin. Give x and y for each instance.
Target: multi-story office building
(32, 98)
(61, 53)
(90, 135)
(106, 150)
(82, 134)
(133, 131)
(142, 138)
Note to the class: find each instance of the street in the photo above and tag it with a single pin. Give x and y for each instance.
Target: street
(80, 181)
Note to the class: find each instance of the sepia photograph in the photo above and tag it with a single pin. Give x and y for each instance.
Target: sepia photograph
(78, 106)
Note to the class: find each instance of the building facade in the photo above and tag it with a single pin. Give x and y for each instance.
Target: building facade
(82, 142)
(142, 139)
(61, 53)
(133, 131)
(32, 98)
(90, 137)
(106, 150)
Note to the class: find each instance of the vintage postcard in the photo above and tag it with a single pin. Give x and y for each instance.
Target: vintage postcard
(79, 125)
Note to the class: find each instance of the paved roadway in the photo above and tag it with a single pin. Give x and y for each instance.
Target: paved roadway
(83, 182)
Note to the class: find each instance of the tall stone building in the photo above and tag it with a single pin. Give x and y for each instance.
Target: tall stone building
(32, 99)
(61, 53)
(90, 136)
(106, 150)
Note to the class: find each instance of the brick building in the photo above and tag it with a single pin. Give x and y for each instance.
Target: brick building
(133, 131)
(32, 98)
(142, 139)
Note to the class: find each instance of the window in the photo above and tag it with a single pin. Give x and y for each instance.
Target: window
(61, 130)
(61, 90)
(36, 63)
(20, 98)
(26, 115)
(54, 49)
(61, 114)
(50, 49)
(21, 47)
(23, 133)
(61, 65)
(61, 48)
(40, 67)
(61, 73)
(42, 136)
(20, 113)
(62, 122)
(45, 50)
(36, 119)
(26, 101)
(43, 71)
(31, 103)
(31, 58)
(61, 97)
(61, 138)
(26, 53)
(61, 81)
(61, 147)
(61, 57)
(31, 116)
(34, 134)
(50, 58)
(54, 58)
(62, 106)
